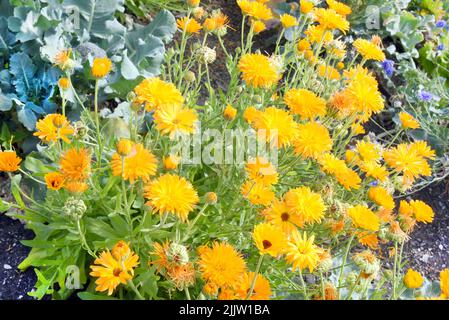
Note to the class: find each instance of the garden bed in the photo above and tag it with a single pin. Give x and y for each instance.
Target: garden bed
(109, 208)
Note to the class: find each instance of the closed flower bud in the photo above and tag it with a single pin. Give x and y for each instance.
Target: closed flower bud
(177, 254)
(193, 3)
(198, 13)
(64, 83)
(74, 208)
(229, 112)
(171, 162)
(211, 198)
(190, 76)
(207, 55)
(80, 130)
(124, 147)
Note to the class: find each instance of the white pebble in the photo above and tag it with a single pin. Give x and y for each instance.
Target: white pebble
(7, 266)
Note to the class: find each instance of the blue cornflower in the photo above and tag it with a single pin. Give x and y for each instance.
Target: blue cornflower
(425, 95)
(441, 24)
(388, 66)
(440, 47)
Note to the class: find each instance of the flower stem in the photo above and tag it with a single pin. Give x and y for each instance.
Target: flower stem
(133, 288)
(256, 272)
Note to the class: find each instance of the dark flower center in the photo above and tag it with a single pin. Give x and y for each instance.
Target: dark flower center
(116, 272)
(285, 216)
(266, 244)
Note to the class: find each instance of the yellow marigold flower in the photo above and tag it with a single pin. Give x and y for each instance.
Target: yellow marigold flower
(124, 147)
(365, 97)
(75, 164)
(413, 280)
(347, 177)
(275, 123)
(357, 129)
(329, 19)
(341, 102)
(54, 127)
(256, 10)
(112, 272)
(269, 239)
(54, 180)
(313, 139)
(423, 149)
(381, 197)
(182, 276)
(316, 34)
(288, 21)
(63, 59)
(221, 21)
(229, 112)
(76, 186)
(257, 193)
(64, 83)
(407, 121)
(210, 289)
(211, 197)
(422, 211)
(250, 114)
(406, 158)
(171, 162)
(368, 239)
(209, 25)
(222, 265)
(9, 161)
(303, 45)
(369, 50)
(339, 7)
(261, 170)
(328, 72)
(368, 151)
(262, 290)
(279, 214)
(258, 26)
(171, 194)
(362, 217)
(302, 253)
(444, 282)
(305, 203)
(101, 67)
(155, 94)
(188, 25)
(138, 164)
(175, 119)
(374, 170)
(305, 103)
(193, 3)
(258, 71)
(306, 6)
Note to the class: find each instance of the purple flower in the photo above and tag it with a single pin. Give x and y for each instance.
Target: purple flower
(441, 24)
(388, 66)
(425, 95)
(373, 183)
(440, 47)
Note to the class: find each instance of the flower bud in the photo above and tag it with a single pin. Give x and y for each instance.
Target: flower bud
(74, 208)
(211, 198)
(177, 253)
(207, 55)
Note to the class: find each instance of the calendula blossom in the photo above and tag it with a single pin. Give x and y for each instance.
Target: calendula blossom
(155, 94)
(9, 161)
(302, 253)
(413, 280)
(269, 239)
(258, 71)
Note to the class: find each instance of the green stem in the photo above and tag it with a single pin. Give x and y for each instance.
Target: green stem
(133, 288)
(83, 238)
(345, 257)
(303, 284)
(186, 290)
(256, 272)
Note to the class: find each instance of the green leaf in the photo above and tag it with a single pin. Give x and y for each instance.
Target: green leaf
(4, 206)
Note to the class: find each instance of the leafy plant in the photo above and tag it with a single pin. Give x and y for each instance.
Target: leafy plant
(34, 33)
